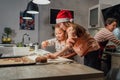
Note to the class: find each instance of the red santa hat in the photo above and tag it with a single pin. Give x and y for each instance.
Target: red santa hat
(64, 16)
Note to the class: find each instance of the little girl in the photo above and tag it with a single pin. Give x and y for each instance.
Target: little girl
(60, 43)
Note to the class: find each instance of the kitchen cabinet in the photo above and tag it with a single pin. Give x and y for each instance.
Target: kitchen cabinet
(116, 61)
(95, 17)
(115, 58)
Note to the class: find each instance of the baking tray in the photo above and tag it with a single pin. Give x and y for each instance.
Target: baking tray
(15, 61)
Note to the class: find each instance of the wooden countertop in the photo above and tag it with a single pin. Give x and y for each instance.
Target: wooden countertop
(60, 71)
(71, 71)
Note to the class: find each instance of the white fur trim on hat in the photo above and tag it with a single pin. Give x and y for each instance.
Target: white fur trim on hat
(71, 20)
(62, 20)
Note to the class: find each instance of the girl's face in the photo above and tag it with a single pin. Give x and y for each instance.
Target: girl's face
(60, 34)
(71, 32)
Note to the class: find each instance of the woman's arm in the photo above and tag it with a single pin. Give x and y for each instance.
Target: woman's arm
(69, 55)
(62, 51)
(56, 54)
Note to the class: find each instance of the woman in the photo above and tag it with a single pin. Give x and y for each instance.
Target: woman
(105, 35)
(83, 44)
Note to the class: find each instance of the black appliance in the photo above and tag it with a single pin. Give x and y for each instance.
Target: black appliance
(112, 12)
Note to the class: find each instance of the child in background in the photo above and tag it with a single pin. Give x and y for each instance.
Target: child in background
(60, 43)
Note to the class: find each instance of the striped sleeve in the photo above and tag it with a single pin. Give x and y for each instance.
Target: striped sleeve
(113, 39)
(104, 35)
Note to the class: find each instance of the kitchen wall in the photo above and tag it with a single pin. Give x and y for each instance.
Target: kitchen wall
(112, 2)
(10, 11)
(9, 17)
(80, 8)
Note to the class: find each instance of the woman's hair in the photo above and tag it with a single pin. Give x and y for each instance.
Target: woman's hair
(80, 30)
(110, 20)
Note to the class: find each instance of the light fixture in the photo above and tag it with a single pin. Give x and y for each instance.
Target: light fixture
(41, 2)
(27, 15)
(32, 8)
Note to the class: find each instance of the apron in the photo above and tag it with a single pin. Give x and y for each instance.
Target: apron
(102, 47)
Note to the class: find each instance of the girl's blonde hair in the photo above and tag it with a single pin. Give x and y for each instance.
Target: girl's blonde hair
(57, 27)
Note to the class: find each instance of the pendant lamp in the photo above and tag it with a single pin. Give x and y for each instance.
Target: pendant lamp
(32, 8)
(27, 15)
(41, 2)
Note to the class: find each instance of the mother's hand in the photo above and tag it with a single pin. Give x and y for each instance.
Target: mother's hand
(71, 41)
(51, 56)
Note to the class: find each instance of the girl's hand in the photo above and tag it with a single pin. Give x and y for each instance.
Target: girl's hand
(44, 44)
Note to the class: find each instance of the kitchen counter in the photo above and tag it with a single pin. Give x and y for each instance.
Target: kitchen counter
(116, 53)
(71, 71)
(115, 57)
(50, 71)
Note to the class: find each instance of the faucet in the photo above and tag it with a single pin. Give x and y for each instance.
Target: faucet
(24, 39)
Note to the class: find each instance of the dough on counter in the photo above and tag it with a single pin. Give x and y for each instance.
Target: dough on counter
(51, 56)
(41, 59)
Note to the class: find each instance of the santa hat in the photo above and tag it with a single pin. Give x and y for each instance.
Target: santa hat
(64, 16)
